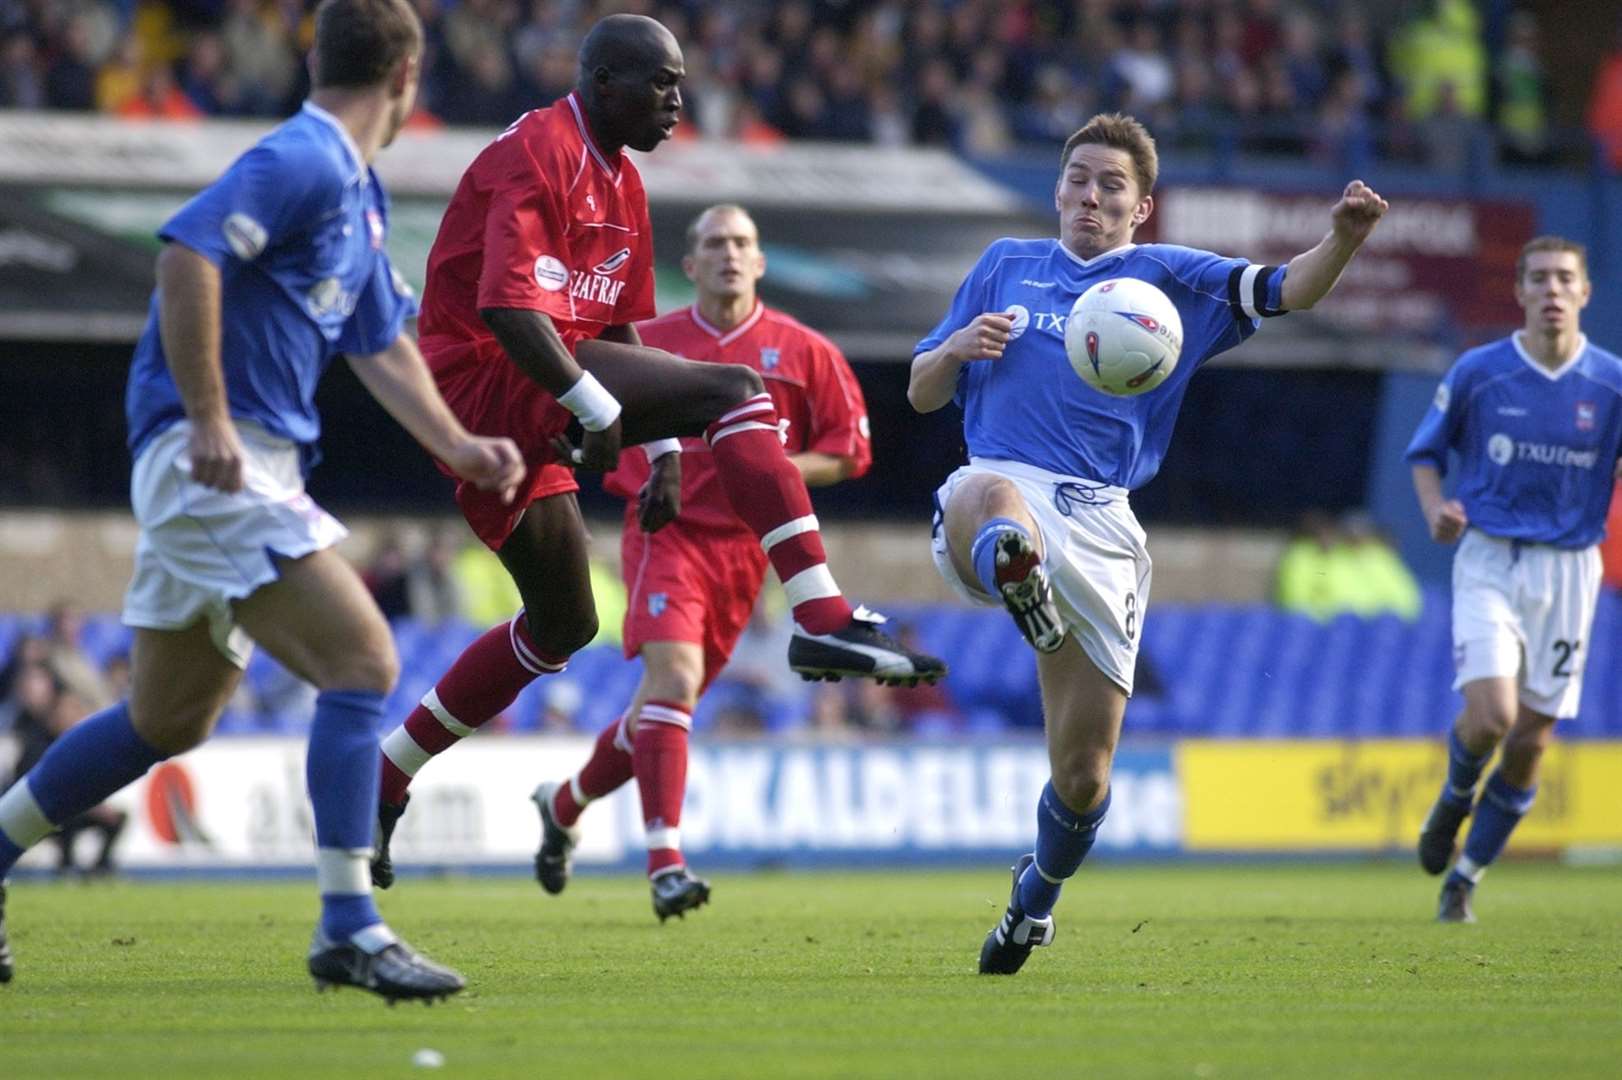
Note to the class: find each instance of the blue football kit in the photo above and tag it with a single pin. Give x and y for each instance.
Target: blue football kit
(1537, 448)
(1030, 407)
(297, 226)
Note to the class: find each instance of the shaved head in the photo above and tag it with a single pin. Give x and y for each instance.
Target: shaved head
(624, 44)
(630, 82)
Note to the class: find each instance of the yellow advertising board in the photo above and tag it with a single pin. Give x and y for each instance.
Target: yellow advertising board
(1263, 795)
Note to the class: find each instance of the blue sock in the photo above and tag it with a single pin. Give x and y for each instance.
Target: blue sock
(342, 773)
(91, 761)
(1063, 839)
(1500, 809)
(983, 552)
(1463, 770)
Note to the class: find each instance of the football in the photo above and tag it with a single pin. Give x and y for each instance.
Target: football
(1123, 336)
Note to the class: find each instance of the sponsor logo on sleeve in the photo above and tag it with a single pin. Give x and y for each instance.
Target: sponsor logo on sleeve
(245, 235)
(550, 273)
(1443, 395)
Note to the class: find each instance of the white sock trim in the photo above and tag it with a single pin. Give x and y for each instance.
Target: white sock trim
(664, 714)
(1468, 869)
(668, 836)
(580, 796)
(622, 738)
(525, 655)
(431, 702)
(343, 871)
(739, 429)
(788, 529)
(373, 939)
(401, 749)
(759, 403)
(21, 818)
(1044, 875)
(812, 583)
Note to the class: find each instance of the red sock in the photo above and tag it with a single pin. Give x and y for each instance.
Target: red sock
(484, 680)
(661, 777)
(768, 493)
(608, 767)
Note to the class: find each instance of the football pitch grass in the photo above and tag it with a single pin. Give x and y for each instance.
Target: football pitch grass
(1232, 970)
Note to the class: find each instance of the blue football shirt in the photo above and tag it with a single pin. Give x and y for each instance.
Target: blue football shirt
(1031, 407)
(297, 226)
(1537, 449)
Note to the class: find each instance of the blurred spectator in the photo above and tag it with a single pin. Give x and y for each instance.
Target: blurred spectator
(159, 98)
(757, 681)
(487, 591)
(1439, 48)
(46, 709)
(263, 53)
(1520, 87)
(385, 576)
(1605, 106)
(68, 661)
(433, 593)
(70, 81)
(1331, 569)
(21, 86)
(28, 653)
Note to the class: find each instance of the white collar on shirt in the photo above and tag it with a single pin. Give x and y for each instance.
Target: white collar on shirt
(1128, 246)
(343, 133)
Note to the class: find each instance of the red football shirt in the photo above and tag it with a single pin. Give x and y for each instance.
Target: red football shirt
(542, 220)
(809, 379)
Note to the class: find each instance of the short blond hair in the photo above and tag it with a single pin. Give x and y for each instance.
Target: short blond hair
(1122, 132)
(1550, 243)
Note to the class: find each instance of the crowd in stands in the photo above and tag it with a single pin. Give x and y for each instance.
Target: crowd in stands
(1443, 82)
(1345, 567)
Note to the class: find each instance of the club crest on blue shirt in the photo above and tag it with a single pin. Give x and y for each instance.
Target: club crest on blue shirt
(770, 358)
(657, 603)
(1585, 416)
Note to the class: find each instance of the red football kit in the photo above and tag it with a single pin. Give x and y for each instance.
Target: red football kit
(697, 578)
(544, 221)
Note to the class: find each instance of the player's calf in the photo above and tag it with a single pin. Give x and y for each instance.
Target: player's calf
(382, 865)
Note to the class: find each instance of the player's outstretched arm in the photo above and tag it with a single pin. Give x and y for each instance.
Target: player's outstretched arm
(399, 379)
(1445, 517)
(189, 324)
(1314, 272)
(934, 373)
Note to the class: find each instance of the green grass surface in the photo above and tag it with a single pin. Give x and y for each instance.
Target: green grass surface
(1319, 970)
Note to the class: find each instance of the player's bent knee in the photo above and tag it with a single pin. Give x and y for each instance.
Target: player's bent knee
(177, 730)
(565, 638)
(376, 669)
(1081, 781)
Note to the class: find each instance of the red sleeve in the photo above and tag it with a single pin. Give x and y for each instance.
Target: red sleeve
(636, 301)
(838, 410)
(526, 261)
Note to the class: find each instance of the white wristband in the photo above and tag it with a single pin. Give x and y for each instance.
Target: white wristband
(588, 400)
(658, 448)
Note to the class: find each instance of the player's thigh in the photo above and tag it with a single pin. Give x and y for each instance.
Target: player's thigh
(549, 558)
(320, 622)
(180, 682)
(973, 501)
(662, 394)
(1083, 709)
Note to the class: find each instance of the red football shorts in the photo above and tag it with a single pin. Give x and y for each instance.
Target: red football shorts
(491, 396)
(689, 585)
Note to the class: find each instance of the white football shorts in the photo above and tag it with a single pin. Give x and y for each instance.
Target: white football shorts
(200, 548)
(1523, 612)
(1093, 548)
